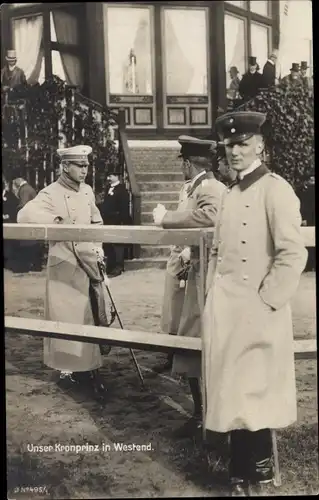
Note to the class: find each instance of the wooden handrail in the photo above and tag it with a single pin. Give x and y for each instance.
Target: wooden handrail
(147, 235)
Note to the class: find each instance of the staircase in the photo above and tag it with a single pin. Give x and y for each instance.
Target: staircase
(159, 177)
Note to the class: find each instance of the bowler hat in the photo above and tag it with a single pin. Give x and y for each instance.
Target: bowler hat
(11, 56)
(238, 126)
(252, 61)
(191, 146)
(295, 67)
(304, 65)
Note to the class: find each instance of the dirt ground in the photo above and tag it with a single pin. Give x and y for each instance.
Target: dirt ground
(40, 414)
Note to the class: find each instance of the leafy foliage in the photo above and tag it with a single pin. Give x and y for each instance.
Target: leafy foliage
(289, 131)
(38, 119)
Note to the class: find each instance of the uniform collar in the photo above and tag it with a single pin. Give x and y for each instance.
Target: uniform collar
(192, 182)
(253, 177)
(255, 164)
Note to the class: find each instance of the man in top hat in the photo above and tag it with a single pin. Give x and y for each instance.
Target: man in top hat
(306, 80)
(199, 209)
(71, 268)
(252, 81)
(115, 210)
(11, 75)
(269, 70)
(294, 78)
(255, 264)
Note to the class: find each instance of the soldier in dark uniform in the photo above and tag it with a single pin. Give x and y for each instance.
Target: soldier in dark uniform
(115, 212)
(252, 81)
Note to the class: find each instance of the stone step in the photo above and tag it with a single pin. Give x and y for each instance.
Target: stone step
(147, 218)
(149, 205)
(151, 251)
(157, 196)
(154, 159)
(157, 262)
(160, 186)
(159, 176)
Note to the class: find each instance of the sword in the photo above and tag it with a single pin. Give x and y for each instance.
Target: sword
(102, 271)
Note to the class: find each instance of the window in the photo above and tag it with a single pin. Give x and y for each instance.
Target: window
(238, 3)
(260, 43)
(129, 43)
(185, 56)
(235, 46)
(185, 67)
(260, 7)
(129, 50)
(66, 43)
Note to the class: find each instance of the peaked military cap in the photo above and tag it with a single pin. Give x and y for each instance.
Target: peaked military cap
(79, 154)
(191, 146)
(238, 126)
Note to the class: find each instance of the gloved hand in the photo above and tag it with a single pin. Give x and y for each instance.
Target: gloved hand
(185, 255)
(158, 214)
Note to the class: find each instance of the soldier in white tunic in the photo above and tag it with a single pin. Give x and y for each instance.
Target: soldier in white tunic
(199, 210)
(71, 267)
(255, 265)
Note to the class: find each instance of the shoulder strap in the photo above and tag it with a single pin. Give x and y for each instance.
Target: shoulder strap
(197, 183)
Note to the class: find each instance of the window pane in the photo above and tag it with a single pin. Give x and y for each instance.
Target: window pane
(57, 67)
(259, 43)
(238, 3)
(128, 32)
(185, 55)
(27, 35)
(260, 7)
(64, 27)
(235, 47)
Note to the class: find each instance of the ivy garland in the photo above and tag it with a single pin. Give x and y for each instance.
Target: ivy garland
(53, 115)
(289, 131)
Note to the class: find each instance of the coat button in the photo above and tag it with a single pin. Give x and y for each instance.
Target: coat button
(244, 241)
(219, 259)
(245, 277)
(244, 259)
(244, 223)
(228, 190)
(247, 206)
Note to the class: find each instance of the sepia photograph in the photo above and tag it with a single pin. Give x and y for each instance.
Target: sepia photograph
(158, 203)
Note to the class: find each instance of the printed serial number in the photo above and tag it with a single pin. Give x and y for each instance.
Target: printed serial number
(31, 489)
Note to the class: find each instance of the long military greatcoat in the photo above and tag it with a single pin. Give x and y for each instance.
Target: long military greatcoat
(257, 258)
(70, 267)
(201, 209)
(173, 293)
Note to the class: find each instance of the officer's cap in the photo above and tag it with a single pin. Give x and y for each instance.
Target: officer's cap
(78, 154)
(191, 146)
(239, 126)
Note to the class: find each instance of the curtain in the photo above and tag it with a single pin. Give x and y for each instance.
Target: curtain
(185, 55)
(27, 40)
(234, 45)
(66, 29)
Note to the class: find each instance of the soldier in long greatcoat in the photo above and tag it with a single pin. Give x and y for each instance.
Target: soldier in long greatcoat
(255, 265)
(174, 288)
(203, 201)
(70, 268)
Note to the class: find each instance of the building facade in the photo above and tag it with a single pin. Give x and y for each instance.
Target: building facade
(166, 63)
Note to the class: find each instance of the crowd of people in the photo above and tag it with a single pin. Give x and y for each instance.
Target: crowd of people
(254, 80)
(254, 268)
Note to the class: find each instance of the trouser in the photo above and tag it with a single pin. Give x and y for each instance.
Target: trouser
(115, 256)
(248, 448)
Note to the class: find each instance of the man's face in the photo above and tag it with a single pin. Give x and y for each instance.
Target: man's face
(12, 65)
(186, 169)
(253, 68)
(242, 154)
(112, 178)
(77, 171)
(226, 172)
(294, 75)
(232, 73)
(303, 72)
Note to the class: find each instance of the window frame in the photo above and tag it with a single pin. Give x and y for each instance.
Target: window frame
(186, 107)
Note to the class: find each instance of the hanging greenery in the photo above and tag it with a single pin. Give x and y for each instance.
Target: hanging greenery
(38, 119)
(289, 131)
